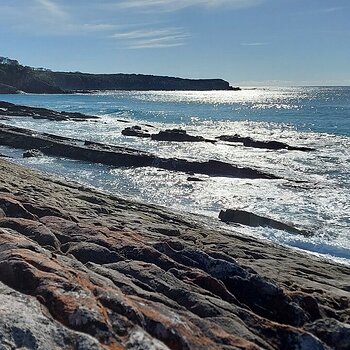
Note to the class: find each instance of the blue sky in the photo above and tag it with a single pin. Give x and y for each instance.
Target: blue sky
(247, 42)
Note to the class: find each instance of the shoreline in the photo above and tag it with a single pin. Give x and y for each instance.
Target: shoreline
(146, 273)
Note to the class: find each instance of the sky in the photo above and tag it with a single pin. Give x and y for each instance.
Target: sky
(247, 42)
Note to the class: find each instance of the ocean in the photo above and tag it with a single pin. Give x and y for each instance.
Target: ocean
(316, 196)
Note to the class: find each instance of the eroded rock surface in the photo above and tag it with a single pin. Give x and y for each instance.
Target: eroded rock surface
(98, 272)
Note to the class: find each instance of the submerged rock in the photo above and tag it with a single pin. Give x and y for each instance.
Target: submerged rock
(250, 219)
(33, 153)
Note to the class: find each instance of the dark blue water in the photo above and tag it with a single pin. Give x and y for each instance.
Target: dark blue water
(320, 109)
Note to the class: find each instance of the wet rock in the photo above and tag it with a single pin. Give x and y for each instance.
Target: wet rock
(250, 219)
(53, 145)
(136, 132)
(194, 179)
(178, 135)
(12, 110)
(273, 145)
(33, 153)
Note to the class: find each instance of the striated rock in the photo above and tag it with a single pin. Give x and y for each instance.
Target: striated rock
(250, 219)
(53, 145)
(94, 271)
(274, 145)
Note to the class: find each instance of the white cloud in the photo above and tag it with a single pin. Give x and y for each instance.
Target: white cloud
(332, 9)
(52, 8)
(254, 44)
(155, 38)
(174, 5)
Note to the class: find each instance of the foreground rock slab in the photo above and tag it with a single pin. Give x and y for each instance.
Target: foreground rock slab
(100, 272)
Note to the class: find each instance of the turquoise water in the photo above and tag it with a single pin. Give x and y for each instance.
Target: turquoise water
(308, 116)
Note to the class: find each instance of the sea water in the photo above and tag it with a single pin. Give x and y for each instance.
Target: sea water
(317, 117)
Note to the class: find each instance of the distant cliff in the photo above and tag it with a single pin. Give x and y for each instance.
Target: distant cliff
(15, 77)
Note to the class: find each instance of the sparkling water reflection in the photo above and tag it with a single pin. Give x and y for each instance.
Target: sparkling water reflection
(313, 117)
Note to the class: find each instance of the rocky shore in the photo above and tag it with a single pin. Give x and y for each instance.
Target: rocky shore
(80, 269)
(53, 145)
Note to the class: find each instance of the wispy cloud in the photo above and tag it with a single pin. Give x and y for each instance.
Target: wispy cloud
(52, 8)
(155, 38)
(254, 44)
(332, 9)
(174, 5)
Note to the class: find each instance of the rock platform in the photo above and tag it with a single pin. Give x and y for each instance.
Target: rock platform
(80, 269)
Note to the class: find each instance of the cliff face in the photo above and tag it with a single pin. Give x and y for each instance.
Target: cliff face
(20, 78)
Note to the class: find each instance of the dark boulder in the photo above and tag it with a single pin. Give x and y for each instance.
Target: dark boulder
(33, 153)
(274, 145)
(231, 138)
(250, 219)
(194, 179)
(136, 132)
(178, 135)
